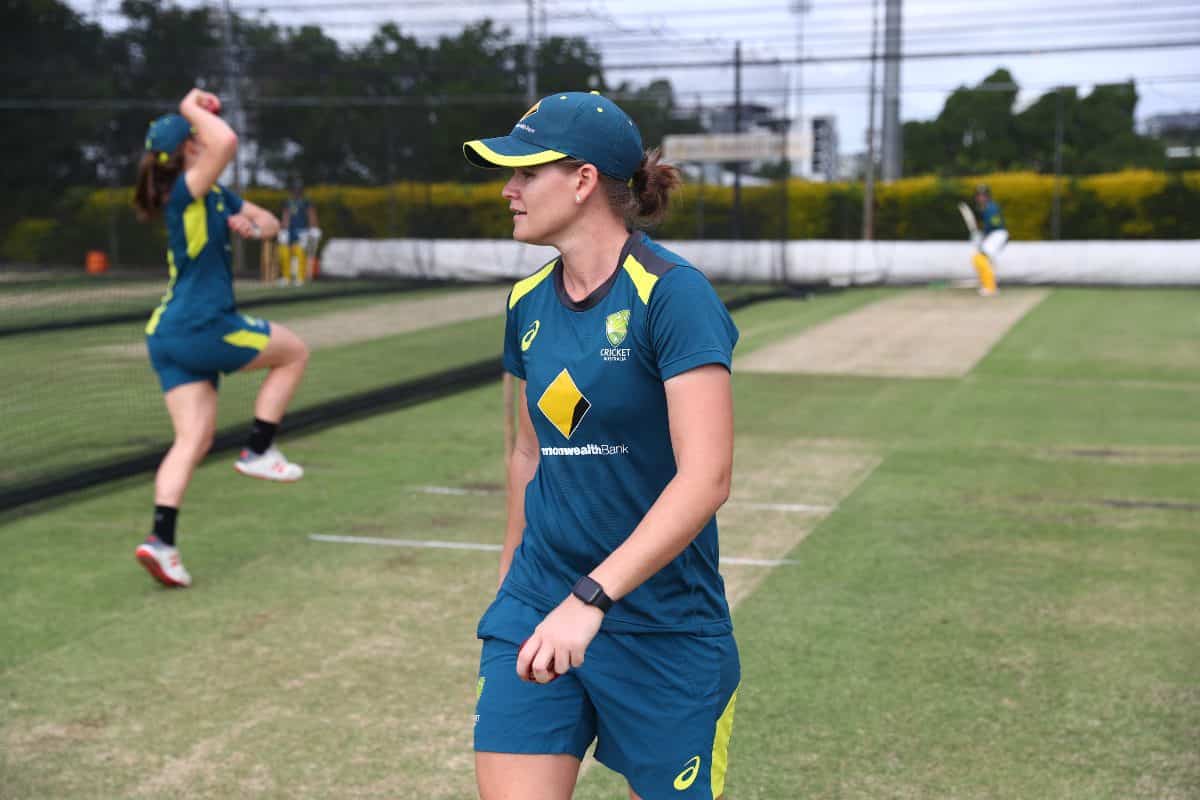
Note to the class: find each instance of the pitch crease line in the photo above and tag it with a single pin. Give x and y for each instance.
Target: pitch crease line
(439, 545)
(804, 508)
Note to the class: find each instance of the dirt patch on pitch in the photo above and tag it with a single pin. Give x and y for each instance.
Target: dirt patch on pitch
(389, 319)
(375, 321)
(919, 334)
(1124, 455)
(47, 299)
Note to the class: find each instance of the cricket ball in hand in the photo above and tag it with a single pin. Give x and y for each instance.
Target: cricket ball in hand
(553, 674)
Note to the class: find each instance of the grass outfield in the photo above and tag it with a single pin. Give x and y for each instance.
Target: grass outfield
(72, 379)
(1002, 603)
(65, 300)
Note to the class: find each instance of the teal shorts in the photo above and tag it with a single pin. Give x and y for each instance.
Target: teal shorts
(226, 345)
(658, 705)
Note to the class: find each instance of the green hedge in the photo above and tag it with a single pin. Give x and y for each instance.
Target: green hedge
(1134, 204)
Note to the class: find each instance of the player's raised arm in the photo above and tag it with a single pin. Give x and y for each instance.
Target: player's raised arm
(215, 142)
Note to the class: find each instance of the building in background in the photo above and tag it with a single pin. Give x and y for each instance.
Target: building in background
(1180, 134)
(766, 138)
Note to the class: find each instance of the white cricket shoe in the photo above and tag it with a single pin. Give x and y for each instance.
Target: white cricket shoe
(270, 466)
(163, 562)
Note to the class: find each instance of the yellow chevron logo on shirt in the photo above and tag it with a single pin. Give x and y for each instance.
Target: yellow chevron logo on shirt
(563, 404)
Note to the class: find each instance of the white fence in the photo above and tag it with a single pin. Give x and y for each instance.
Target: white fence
(1146, 263)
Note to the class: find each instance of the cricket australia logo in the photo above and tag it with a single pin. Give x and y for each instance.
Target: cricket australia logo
(616, 328)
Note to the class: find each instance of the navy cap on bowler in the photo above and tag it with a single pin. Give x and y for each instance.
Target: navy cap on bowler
(582, 125)
(166, 133)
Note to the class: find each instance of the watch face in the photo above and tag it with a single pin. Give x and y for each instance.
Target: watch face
(587, 590)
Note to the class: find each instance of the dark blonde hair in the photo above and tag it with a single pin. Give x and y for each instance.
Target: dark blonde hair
(157, 173)
(643, 200)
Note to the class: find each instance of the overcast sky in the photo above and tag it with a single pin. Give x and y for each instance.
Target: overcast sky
(632, 33)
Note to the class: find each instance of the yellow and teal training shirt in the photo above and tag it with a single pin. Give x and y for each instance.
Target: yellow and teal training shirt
(199, 260)
(594, 373)
(991, 217)
(297, 217)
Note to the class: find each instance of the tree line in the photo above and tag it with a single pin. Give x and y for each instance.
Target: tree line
(393, 108)
(79, 96)
(980, 130)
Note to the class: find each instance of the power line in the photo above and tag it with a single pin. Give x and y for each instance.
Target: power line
(1065, 16)
(566, 10)
(434, 101)
(1145, 27)
(697, 15)
(351, 69)
(1098, 47)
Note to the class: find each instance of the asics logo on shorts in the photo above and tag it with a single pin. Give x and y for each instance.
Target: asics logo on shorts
(686, 778)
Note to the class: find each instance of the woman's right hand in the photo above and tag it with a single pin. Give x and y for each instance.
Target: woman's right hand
(205, 100)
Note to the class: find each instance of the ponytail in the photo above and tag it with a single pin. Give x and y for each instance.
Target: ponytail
(157, 173)
(651, 188)
(642, 200)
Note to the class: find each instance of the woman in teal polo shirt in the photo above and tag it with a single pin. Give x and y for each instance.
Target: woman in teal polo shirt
(610, 624)
(196, 333)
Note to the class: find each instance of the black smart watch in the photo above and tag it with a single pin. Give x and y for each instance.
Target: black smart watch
(592, 593)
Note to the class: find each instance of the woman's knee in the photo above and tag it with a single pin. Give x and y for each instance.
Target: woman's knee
(196, 444)
(302, 352)
(294, 350)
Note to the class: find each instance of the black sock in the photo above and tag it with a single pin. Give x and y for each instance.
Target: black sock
(261, 436)
(164, 524)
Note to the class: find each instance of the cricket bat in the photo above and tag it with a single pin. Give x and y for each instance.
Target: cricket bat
(969, 219)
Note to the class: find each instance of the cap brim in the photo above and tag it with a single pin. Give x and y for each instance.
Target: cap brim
(507, 151)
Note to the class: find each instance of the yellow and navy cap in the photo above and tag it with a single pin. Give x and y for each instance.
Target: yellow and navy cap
(166, 134)
(582, 125)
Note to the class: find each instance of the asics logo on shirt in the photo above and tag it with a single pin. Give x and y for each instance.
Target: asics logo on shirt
(686, 778)
(530, 335)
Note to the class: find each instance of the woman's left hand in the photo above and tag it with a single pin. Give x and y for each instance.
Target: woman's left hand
(244, 226)
(559, 642)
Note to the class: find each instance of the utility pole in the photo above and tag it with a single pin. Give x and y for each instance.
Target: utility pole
(892, 155)
(796, 95)
(784, 228)
(531, 90)
(233, 110)
(869, 181)
(1056, 209)
(737, 128)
